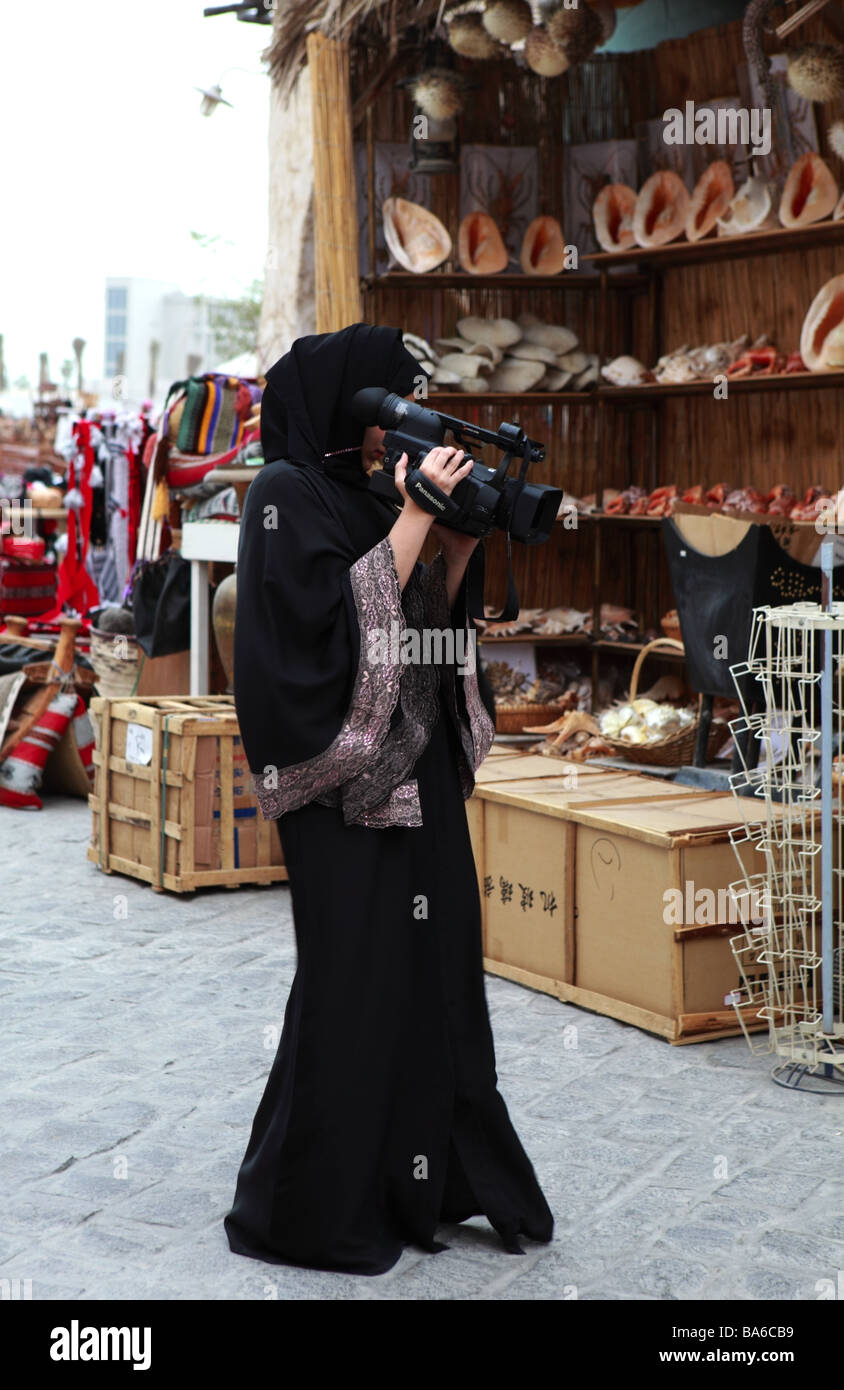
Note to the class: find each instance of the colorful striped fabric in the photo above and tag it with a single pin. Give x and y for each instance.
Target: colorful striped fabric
(213, 417)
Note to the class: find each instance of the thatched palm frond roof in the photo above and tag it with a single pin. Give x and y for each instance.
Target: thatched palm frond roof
(373, 21)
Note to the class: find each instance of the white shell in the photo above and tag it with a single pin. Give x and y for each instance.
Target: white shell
(625, 371)
(516, 374)
(500, 332)
(550, 335)
(576, 361)
(442, 377)
(555, 380)
(750, 209)
(466, 363)
(415, 237)
(534, 352)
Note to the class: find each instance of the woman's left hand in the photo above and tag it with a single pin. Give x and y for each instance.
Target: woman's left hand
(455, 545)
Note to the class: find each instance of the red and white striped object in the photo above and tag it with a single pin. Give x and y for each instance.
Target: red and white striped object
(22, 771)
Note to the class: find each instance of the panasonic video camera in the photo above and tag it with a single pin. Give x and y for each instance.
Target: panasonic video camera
(486, 499)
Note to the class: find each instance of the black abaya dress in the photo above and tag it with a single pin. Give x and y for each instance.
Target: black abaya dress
(381, 1117)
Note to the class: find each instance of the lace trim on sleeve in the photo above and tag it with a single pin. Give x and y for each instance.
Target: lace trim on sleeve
(378, 601)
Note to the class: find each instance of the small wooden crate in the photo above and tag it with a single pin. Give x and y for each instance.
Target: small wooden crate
(173, 802)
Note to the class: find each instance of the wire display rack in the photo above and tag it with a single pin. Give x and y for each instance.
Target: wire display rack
(790, 953)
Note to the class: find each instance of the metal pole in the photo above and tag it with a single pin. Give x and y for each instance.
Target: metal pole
(827, 989)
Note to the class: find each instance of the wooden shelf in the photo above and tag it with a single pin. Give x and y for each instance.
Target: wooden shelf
(722, 248)
(532, 397)
(566, 639)
(575, 280)
(604, 645)
(743, 385)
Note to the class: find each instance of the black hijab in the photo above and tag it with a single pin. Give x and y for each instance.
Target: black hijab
(305, 411)
(297, 640)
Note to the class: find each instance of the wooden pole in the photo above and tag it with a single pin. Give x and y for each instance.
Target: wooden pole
(338, 300)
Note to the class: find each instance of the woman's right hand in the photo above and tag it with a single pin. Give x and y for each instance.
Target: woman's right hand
(444, 466)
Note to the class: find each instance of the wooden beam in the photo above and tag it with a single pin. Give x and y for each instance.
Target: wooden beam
(337, 270)
(833, 17)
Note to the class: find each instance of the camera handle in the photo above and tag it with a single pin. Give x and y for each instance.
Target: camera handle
(475, 578)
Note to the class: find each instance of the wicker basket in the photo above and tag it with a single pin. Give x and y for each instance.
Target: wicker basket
(116, 675)
(511, 719)
(677, 750)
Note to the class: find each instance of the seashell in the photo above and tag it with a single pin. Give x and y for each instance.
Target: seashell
(488, 350)
(661, 209)
(612, 214)
(416, 238)
(820, 338)
(609, 723)
(835, 137)
(816, 71)
(443, 377)
(810, 192)
(481, 250)
(549, 335)
(417, 346)
(839, 211)
(543, 55)
(749, 210)
(554, 380)
(474, 384)
(516, 375)
(543, 247)
(466, 363)
(626, 371)
(468, 37)
(534, 352)
(507, 20)
(710, 200)
(626, 715)
(500, 332)
(575, 361)
(588, 378)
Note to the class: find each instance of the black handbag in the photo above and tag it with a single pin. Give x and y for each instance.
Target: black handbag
(161, 605)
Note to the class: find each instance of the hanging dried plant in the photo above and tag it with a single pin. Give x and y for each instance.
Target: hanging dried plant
(508, 21)
(468, 37)
(816, 71)
(543, 55)
(835, 136)
(577, 32)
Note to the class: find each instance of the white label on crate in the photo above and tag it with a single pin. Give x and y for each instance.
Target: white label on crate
(138, 744)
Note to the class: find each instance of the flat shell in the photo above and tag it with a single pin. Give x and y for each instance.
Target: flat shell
(500, 332)
(549, 335)
(516, 374)
(535, 352)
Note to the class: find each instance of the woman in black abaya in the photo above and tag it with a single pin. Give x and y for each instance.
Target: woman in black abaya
(381, 1117)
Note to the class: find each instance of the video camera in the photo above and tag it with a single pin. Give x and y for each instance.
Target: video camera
(486, 499)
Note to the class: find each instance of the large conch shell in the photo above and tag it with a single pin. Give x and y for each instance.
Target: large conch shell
(822, 336)
(480, 248)
(612, 214)
(710, 200)
(543, 247)
(415, 237)
(751, 210)
(810, 192)
(661, 209)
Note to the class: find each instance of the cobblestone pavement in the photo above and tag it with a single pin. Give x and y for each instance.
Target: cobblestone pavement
(138, 1032)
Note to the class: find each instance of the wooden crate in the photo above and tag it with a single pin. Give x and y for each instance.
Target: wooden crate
(173, 802)
(573, 871)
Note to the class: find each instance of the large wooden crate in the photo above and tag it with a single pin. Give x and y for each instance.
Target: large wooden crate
(573, 872)
(173, 802)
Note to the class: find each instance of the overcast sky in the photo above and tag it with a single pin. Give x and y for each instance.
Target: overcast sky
(107, 165)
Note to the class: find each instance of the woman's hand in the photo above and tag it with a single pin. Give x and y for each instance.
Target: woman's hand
(454, 544)
(444, 466)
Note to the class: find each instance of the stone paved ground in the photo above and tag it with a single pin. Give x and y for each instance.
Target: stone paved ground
(136, 1049)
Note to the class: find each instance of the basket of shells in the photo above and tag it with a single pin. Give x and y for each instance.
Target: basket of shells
(520, 700)
(657, 732)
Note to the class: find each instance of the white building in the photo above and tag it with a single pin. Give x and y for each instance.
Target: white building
(141, 313)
